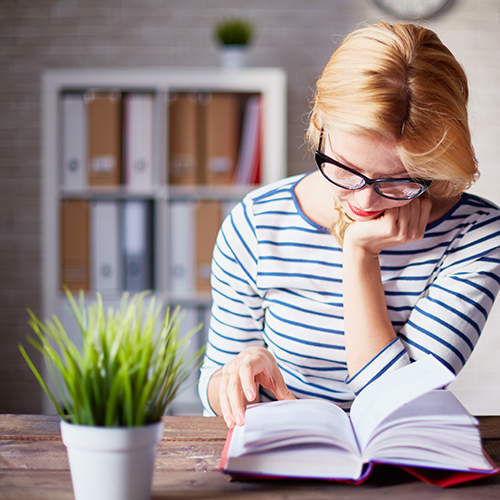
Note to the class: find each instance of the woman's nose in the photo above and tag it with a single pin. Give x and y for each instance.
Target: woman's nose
(367, 198)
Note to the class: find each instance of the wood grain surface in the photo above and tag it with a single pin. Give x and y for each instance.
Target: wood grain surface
(34, 465)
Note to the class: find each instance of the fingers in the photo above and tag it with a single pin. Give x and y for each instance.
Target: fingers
(224, 403)
(275, 383)
(231, 397)
(240, 379)
(418, 212)
(248, 386)
(425, 212)
(407, 223)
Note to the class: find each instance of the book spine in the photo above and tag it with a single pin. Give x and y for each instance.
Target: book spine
(138, 141)
(105, 250)
(257, 151)
(75, 245)
(104, 138)
(183, 139)
(137, 247)
(182, 248)
(248, 166)
(221, 138)
(74, 137)
(208, 222)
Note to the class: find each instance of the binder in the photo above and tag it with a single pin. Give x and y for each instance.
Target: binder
(257, 157)
(249, 159)
(221, 138)
(137, 245)
(74, 138)
(182, 248)
(104, 138)
(208, 222)
(138, 141)
(75, 244)
(183, 139)
(105, 246)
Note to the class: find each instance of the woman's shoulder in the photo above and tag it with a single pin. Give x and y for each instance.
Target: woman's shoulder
(470, 207)
(282, 188)
(474, 223)
(259, 201)
(476, 203)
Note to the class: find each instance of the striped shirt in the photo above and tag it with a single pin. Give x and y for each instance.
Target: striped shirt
(277, 282)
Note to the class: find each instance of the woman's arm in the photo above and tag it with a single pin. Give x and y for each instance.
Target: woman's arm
(368, 328)
(236, 361)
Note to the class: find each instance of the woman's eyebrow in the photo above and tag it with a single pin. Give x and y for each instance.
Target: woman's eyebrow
(340, 158)
(345, 162)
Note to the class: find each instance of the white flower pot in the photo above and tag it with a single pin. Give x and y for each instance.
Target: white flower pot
(111, 463)
(233, 56)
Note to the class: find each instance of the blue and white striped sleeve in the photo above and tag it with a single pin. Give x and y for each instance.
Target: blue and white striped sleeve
(237, 315)
(448, 319)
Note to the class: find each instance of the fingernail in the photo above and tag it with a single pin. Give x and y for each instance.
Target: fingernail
(229, 421)
(250, 396)
(239, 420)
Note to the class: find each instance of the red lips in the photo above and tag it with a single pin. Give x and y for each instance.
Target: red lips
(361, 213)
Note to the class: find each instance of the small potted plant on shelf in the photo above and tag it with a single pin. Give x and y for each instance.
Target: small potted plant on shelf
(114, 391)
(234, 35)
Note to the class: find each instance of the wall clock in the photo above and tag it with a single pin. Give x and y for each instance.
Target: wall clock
(409, 10)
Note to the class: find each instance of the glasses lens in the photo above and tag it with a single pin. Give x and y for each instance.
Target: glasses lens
(401, 190)
(342, 177)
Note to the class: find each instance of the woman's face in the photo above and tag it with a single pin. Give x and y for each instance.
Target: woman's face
(375, 159)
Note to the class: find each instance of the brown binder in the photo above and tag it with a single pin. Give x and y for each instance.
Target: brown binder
(104, 136)
(183, 139)
(75, 244)
(221, 138)
(208, 222)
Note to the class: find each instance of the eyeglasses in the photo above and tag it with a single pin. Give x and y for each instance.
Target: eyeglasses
(346, 178)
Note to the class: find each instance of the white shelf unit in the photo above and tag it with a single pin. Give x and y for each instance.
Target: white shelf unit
(270, 83)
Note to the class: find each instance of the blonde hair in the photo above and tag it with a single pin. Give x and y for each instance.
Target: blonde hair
(401, 83)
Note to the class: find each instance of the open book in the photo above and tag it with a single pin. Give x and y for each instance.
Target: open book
(400, 419)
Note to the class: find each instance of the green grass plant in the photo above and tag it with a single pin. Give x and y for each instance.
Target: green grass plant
(129, 369)
(233, 31)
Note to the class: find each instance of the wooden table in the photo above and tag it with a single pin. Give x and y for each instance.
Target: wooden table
(34, 465)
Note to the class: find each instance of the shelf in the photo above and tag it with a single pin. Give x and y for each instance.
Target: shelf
(191, 202)
(224, 193)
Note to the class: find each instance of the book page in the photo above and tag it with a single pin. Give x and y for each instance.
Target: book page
(392, 390)
(434, 430)
(305, 438)
(292, 422)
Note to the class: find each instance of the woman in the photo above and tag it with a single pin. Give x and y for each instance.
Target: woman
(413, 265)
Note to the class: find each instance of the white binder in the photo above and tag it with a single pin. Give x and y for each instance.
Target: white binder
(105, 246)
(137, 245)
(182, 248)
(138, 144)
(74, 139)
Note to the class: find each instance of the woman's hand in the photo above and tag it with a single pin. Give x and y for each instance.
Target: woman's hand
(395, 226)
(240, 379)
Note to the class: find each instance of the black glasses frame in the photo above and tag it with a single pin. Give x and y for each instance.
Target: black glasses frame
(321, 159)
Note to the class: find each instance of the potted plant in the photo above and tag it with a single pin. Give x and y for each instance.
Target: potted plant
(234, 36)
(113, 392)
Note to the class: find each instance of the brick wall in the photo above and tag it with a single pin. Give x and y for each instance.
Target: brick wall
(293, 34)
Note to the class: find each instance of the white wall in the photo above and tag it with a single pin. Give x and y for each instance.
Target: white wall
(298, 35)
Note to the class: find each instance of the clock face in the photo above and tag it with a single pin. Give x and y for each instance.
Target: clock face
(408, 10)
